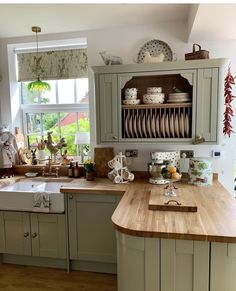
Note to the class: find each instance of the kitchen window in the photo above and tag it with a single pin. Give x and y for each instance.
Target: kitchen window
(64, 109)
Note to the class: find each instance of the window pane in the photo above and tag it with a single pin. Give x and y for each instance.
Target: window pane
(82, 90)
(66, 92)
(50, 122)
(34, 97)
(49, 97)
(83, 122)
(33, 122)
(29, 97)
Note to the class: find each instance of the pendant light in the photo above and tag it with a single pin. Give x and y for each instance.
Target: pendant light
(38, 85)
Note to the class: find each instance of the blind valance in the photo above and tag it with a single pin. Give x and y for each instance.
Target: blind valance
(53, 65)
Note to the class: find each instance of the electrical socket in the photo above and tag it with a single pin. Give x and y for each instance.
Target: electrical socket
(188, 153)
(131, 153)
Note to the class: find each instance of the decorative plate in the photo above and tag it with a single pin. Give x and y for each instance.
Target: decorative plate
(155, 47)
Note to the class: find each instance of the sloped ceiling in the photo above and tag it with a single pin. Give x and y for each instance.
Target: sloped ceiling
(204, 21)
(214, 22)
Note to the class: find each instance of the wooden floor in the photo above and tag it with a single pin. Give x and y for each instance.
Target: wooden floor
(19, 278)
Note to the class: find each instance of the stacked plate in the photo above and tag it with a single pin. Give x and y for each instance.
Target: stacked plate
(131, 97)
(178, 97)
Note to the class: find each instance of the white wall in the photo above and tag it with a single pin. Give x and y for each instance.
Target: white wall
(126, 42)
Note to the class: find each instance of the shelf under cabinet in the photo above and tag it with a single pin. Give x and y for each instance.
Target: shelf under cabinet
(160, 105)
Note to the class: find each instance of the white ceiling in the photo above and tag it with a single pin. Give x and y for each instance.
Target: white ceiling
(205, 21)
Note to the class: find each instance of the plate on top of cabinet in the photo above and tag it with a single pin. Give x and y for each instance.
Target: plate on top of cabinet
(155, 47)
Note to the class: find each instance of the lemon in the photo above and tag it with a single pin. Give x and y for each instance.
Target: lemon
(172, 169)
(176, 176)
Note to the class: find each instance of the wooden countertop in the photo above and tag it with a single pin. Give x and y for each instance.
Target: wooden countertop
(215, 219)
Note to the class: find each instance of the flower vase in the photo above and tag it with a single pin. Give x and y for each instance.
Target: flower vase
(89, 176)
(41, 156)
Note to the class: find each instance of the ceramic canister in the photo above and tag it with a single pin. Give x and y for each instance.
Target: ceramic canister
(200, 171)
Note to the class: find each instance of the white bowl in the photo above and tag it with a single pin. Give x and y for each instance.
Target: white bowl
(153, 98)
(131, 91)
(154, 90)
(131, 97)
(131, 102)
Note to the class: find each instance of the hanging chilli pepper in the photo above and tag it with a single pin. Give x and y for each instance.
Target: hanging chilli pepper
(228, 114)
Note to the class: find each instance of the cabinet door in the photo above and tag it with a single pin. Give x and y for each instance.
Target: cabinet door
(184, 265)
(107, 108)
(91, 234)
(207, 104)
(223, 266)
(16, 233)
(48, 235)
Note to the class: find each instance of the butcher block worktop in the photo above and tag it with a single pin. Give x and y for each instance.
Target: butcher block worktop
(215, 219)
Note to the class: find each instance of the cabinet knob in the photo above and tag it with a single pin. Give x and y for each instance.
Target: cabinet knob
(71, 196)
(114, 137)
(26, 234)
(34, 235)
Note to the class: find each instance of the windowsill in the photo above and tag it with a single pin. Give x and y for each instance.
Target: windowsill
(22, 169)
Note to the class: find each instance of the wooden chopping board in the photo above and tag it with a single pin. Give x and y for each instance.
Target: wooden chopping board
(101, 157)
(184, 201)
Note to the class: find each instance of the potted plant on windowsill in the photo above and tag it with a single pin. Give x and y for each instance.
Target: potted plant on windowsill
(89, 167)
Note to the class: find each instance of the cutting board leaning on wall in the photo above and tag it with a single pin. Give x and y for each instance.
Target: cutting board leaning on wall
(101, 157)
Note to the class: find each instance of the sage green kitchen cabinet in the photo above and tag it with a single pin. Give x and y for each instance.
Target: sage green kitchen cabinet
(91, 234)
(107, 120)
(223, 262)
(33, 234)
(207, 104)
(184, 265)
(16, 234)
(154, 264)
(146, 123)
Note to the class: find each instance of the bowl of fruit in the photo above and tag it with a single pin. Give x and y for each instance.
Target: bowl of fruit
(171, 172)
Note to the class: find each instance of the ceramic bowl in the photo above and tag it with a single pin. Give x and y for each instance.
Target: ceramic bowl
(153, 98)
(131, 91)
(154, 90)
(131, 102)
(131, 97)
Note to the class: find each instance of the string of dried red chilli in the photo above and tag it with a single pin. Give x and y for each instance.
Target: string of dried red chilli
(228, 114)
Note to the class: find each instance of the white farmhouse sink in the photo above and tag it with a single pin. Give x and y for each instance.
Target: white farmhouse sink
(19, 196)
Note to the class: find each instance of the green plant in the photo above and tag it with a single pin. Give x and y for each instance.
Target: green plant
(89, 166)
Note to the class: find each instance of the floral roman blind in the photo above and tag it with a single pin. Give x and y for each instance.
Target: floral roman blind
(53, 65)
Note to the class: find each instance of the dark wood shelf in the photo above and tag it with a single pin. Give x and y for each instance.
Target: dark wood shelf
(163, 105)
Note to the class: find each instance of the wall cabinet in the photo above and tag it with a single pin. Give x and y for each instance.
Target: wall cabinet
(194, 121)
(91, 234)
(32, 234)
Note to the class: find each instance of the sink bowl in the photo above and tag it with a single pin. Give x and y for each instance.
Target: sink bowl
(19, 196)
